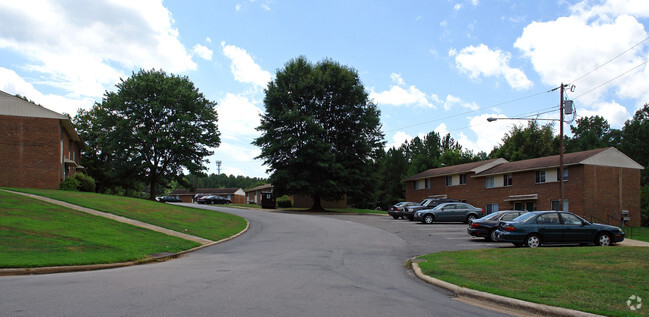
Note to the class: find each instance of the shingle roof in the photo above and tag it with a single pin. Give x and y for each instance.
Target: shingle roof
(474, 167)
(604, 157)
(262, 187)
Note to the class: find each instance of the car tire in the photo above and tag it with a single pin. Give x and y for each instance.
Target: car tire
(533, 241)
(428, 219)
(603, 239)
(470, 218)
(492, 235)
(395, 217)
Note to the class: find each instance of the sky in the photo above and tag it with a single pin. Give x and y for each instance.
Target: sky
(443, 65)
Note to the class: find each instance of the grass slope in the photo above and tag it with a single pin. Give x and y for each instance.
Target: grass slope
(599, 280)
(37, 234)
(208, 224)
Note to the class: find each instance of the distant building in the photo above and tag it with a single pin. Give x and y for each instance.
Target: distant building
(236, 195)
(598, 185)
(38, 147)
(253, 195)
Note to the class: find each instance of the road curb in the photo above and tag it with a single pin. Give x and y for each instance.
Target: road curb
(93, 267)
(511, 303)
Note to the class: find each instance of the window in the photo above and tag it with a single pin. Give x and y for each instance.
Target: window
(507, 180)
(565, 174)
(449, 180)
(416, 185)
(540, 177)
(491, 208)
(554, 205)
(529, 206)
(548, 219)
(509, 216)
(570, 219)
(490, 182)
(427, 185)
(462, 179)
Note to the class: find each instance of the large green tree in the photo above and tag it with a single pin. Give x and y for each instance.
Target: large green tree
(320, 131)
(151, 130)
(522, 143)
(591, 133)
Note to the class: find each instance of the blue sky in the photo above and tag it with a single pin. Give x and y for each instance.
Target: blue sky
(440, 66)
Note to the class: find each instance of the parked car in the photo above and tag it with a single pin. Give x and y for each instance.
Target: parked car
(168, 199)
(396, 211)
(449, 212)
(486, 226)
(540, 227)
(409, 212)
(213, 199)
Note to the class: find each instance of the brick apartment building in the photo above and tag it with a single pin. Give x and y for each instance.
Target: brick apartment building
(598, 184)
(38, 147)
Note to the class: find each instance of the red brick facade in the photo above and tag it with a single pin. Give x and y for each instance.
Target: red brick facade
(35, 152)
(597, 193)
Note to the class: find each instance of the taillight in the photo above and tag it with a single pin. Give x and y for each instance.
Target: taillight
(474, 225)
(482, 211)
(509, 228)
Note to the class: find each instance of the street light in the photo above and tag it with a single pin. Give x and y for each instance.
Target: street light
(567, 104)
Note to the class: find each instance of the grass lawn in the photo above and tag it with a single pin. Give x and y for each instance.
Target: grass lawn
(208, 224)
(599, 280)
(638, 233)
(34, 233)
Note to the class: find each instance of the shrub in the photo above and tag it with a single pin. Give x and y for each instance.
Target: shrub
(70, 183)
(79, 182)
(284, 202)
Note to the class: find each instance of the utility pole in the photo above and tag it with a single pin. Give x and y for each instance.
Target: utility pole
(561, 146)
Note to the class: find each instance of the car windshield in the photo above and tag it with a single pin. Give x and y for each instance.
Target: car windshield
(524, 217)
(400, 204)
(424, 203)
(493, 216)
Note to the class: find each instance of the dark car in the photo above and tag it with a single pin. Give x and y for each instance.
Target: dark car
(213, 199)
(396, 210)
(540, 227)
(486, 226)
(168, 199)
(429, 203)
(449, 212)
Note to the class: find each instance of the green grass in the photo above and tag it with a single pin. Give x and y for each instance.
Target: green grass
(638, 233)
(208, 224)
(34, 233)
(592, 279)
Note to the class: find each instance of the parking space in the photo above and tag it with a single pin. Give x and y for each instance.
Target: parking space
(424, 239)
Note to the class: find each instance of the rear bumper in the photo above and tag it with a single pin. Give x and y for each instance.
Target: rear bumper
(477, 232)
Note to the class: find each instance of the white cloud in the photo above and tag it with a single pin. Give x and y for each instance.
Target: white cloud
(398, 139)
(238, 117)
(480, 61)
(78, 48)
(399, 96)
(598, 32)
(202, 52)
(614, 113)
(244, 68)
(457, 6)
(489, 134)
(236, 160)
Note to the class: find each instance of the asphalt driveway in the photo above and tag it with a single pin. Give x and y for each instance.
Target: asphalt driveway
(284, 265)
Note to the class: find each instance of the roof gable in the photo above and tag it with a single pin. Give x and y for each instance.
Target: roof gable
(15, 106)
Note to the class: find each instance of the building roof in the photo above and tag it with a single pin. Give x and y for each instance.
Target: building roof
(262, 187)
(15, 106)
(222, 191)
(601, 157)
(474, 167)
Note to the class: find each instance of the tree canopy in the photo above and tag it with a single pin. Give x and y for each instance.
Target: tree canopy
(522, 143)
(320, 131)
(148, 132)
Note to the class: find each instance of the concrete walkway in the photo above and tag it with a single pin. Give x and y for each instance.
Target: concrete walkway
(117, 218)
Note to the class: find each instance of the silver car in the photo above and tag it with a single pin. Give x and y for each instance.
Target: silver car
(449, 212)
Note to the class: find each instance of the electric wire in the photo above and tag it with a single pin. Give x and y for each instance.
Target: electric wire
(610, 60)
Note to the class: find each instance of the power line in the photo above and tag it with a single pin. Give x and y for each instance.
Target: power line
(614, 78)
(610, 60)
(467, 112)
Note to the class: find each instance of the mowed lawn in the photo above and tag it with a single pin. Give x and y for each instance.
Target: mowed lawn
(208, 224)
(37, 234)
(599, 280)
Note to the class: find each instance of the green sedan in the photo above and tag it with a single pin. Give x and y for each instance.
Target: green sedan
(540, 227)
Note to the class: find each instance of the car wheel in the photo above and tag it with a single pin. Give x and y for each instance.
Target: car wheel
(395, 217)
(603, 239)
(470, 218)
(492, 235)
(428, 219)
(532, 241)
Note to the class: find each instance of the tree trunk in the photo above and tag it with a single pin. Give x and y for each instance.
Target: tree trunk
(316, 204)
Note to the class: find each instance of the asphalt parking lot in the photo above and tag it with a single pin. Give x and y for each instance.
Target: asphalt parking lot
(422, 238)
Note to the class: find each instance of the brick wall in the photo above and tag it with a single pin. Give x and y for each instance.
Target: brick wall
(30, 152)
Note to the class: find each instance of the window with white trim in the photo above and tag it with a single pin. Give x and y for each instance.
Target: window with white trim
(490, 181)
(540, 177)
